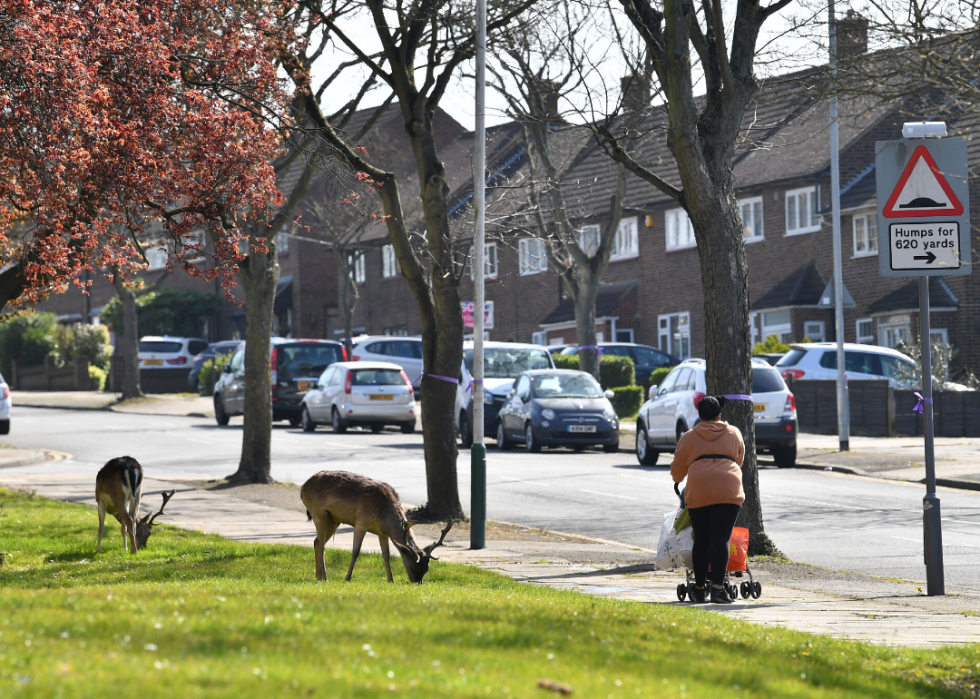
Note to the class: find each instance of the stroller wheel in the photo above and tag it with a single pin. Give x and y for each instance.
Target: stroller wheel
(733, 592)
(756, 590)
(681, 592)
(744, 589)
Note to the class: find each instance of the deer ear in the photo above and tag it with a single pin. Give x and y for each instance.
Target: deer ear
(145, 519)
(407, 550)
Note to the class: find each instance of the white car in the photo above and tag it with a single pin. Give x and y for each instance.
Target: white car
(502, 363)
(672, 410)
(369, 394)
(406, 352)
(169, 352)
(5, 403)
(818, 360)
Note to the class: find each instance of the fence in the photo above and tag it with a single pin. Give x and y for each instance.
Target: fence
(879, 410)
(49, 377)
(151, 380)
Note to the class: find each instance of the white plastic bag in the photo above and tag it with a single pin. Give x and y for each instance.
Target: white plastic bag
(683, 546)
(674, 549)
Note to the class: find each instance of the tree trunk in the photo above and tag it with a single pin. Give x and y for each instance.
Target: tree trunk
(258, 275)
(588, 289)
(128, 340)
(348, 301)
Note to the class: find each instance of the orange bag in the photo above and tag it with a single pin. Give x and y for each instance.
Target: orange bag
(738, 549)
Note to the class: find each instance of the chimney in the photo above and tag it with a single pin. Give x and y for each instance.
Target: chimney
(636, 94)
(852, 36)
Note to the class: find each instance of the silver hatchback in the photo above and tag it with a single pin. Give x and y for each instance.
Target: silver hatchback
(368, 394)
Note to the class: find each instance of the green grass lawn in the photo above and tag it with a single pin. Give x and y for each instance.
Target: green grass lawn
(198, 616)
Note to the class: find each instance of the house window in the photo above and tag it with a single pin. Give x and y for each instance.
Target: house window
(626, 244)
(777, 323)
(800, 216)
(866, 331)
(389, 262)
(893, 330)
(675, 334)
(588, 238)
(531, 256)
(556, 341)
(489, 262)
(751, 211)
(282, 240)
(539, 338)
(865, 234)
(624, 335)
(356, 262)
(815, 330)
(680, 230)
(754, 325)
(157, 257)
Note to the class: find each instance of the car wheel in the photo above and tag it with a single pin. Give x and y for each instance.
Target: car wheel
(644, 454)
(785, 457)
(339, 425)
(376, 429)
(465, 431)
(308, 424)
(220, 416)
(611, 448)
(681, 429)
(502, 442)
(530, 443)
(5, 426)
(408, 427)
(295, 421)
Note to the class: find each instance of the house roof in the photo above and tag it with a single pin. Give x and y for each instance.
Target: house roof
(607, 299)
(801, 288)
(906, 298)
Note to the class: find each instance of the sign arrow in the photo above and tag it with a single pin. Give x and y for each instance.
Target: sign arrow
(929, 257)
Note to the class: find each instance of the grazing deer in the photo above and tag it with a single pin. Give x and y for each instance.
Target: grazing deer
(118, 488)
(144, 527)
(333, 498)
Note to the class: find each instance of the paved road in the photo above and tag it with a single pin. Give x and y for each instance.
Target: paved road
(832, 520)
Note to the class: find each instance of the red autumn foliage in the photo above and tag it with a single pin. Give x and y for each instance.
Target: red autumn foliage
(118, 114)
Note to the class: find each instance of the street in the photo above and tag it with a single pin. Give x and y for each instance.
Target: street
(841, 522)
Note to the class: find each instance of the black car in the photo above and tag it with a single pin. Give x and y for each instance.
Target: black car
(213, 350)
(558, 407)
(645, 358)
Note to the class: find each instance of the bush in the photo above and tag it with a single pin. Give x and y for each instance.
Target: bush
(614, 371)
(81, 340)
(772, 345)
(566, 361)
(657, 376)
(28, 339)
(96, 377)
(211, 371)
(175, 312)
(627, 400)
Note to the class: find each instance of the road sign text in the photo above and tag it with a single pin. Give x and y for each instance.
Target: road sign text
(925, 245)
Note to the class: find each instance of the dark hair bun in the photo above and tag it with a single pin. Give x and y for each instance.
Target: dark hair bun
(710, 407)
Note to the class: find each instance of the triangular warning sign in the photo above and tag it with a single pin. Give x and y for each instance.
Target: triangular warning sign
(922, 191)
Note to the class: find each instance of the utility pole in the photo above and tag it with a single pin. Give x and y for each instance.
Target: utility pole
(843, 402)
(478, 451)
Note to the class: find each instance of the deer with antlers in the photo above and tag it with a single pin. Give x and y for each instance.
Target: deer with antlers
(333, 498)
(118, 490)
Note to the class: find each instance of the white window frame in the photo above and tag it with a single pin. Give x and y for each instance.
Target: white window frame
(754, 222)
(821, 332)
(626, 244)
(593, 230)
(624, 331)
(539, 338)
(665, 333)
(157, 257)
(898, 325)
(358, 271)
(282, 240)
(869, 338)
(389, 262)
(531, 256)
(673, 220)
(941, 332)
(861, 225)
(754, 325)
(782, 331)
(793, 226)
(490, 268)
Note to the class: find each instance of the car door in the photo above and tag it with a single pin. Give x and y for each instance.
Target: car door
(657, 422)
(316, 400)
(520, 408)
(671, 412)
(234, 392)
(408, 355)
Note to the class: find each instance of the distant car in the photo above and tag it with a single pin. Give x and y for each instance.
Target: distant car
(370, 394)
(406, 352)
(503, 362)
(213, 350)
(169, 352)
(557, 349)
(672, 410)
(558, 407)
(645, 358)
(770, 358)
(296, 366)
(818, 360)
(5, 404)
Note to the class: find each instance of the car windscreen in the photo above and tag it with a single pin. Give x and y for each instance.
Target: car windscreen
(566, 386)
(650, 357)
(307, 359)
(766, 380)
(159, 346)
(792, 358)
(499, 363)
(378, 377)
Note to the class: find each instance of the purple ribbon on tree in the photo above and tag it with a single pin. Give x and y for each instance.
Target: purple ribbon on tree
(737, 396)
(593, 347)
(436, 376)
(918, 406)
(469, 388)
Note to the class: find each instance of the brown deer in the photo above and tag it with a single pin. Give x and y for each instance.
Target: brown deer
(118, 487)
(333, 498)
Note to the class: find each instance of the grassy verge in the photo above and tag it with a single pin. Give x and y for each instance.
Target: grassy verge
(199, 616)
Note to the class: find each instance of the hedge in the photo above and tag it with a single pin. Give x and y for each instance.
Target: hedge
(657, 376)
(626, 400)
(614, 371)
(566, 361)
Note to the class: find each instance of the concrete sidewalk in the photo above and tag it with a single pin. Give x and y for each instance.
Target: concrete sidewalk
(887, 612)
(179, 405)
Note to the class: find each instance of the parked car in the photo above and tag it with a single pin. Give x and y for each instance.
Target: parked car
(215, 349)
(503, 362)
(645, 358)
(770, 358)
(169, 352)
(406, 352)
(558, 407)
(5, 404)
(296, 365)
(672, 410)
(370, 394)
(818, 360)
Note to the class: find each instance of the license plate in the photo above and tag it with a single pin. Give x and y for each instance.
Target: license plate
(304, 385)
(581, 428)
(153, 362)
(759, 408)
(381, 396)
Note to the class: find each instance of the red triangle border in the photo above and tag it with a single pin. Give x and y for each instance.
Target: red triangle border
(922, 152)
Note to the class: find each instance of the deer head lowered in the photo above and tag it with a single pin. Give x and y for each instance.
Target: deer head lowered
(144, 527)
(333, 498)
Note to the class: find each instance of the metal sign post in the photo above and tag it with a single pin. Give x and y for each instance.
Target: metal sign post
(924, 231)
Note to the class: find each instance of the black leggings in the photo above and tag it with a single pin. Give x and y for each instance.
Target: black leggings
(712, 532)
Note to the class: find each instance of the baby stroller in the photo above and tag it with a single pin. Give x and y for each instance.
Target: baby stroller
(737, 568)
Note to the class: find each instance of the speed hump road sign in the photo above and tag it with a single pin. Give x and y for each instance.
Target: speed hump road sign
(923, 207)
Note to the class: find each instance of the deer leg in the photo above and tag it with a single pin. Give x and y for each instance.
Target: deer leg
(385, 554)
(326, 527)
(98, 548)
(129, 531)
(358, 540)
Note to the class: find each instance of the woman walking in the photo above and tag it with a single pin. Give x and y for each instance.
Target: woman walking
(710, 457)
